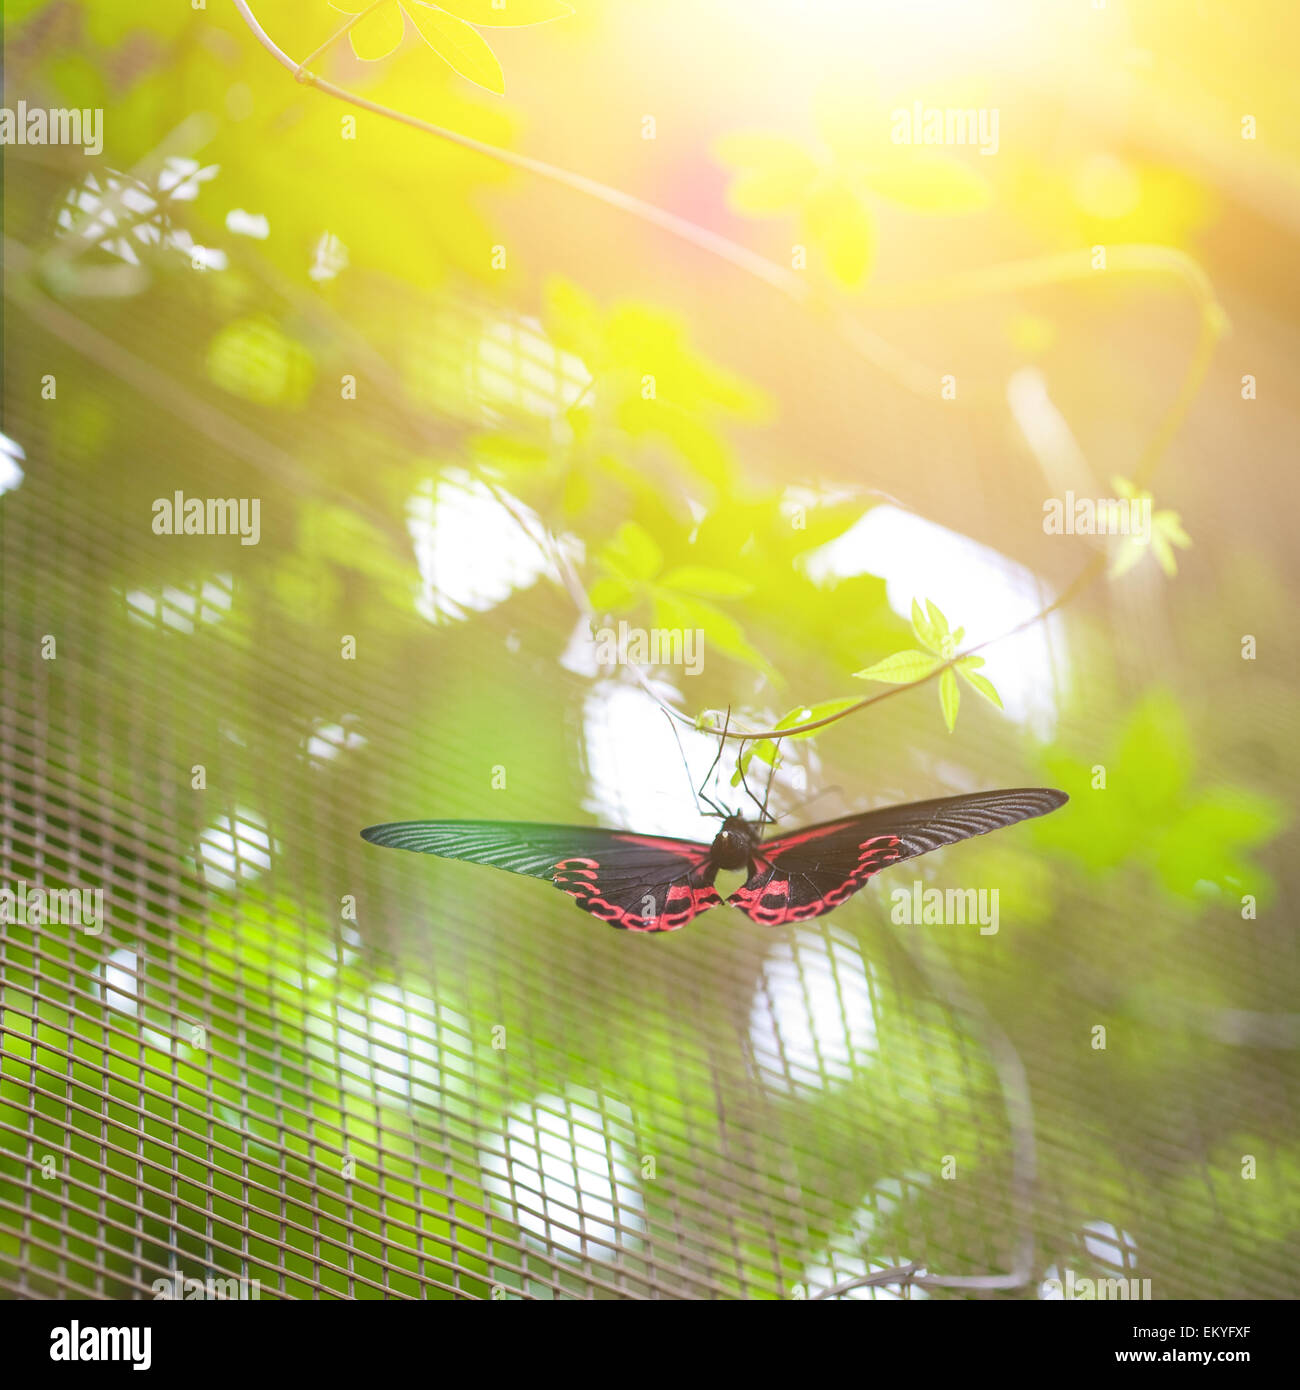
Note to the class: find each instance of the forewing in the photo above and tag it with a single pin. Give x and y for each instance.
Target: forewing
(636, 882)
(810, 871)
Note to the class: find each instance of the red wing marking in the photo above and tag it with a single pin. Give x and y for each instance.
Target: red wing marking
(660, 898)
(797, 883)
(815, 869)
(652, 883)
(698, 853)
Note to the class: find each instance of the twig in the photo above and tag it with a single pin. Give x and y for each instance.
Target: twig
(899, 1274)
(1038, 272)
(301, 72)
(916, 377)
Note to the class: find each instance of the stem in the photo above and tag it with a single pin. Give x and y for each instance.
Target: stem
(1035, 273)
(301, 73)
(915, 376)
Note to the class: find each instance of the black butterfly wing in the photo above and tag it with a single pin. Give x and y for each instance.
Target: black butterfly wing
(807, 872)
(636, 882)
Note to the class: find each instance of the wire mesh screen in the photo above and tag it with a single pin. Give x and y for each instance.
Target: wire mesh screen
(243, 1051)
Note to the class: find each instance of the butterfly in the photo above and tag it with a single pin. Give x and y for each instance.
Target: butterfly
(650, 883)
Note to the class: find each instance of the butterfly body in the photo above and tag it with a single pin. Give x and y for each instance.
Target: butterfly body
(734, 844)
(652, 883)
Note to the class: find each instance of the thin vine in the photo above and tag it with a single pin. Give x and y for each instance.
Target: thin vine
(1037, 272)
(1023, 275)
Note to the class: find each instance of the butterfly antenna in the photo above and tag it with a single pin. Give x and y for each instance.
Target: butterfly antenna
(767, 791)
(689, 781)
(717, 757)
(762, 809)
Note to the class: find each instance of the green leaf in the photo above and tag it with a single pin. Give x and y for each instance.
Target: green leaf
(809, 714)
(838, 222)
(378, 34)
(611, 595)
(632, 553)
(707, 582)
(1242, 817)
(1129, 553)
(1164, 554)
(722, 633)
(1167, 531)
(978, 682)
(510, 453)
(773, 173)
(1170, 524)
(764, 750)
(935, 183)
(577, 494)
(506, 13)
(900, 669)
(926, 632)
(574, 320)
(459, 45)
(255, 359)
(1155, 755)
(1209, 841)
(823, 521)
(767, 749)
(949, 698)
(939, 622)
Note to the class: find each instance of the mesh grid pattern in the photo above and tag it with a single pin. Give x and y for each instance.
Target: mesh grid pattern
(465, 1088)
(222, 1154)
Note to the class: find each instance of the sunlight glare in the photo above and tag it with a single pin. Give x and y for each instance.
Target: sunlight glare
(975, 586)
(567, 1165)
(813, 1020)
(635, 771)
(472, 555)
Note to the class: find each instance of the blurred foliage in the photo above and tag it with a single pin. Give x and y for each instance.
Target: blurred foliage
(1139, 806)
(1166, 533)
(797, 1091)
(832, 190)
(449, 30)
